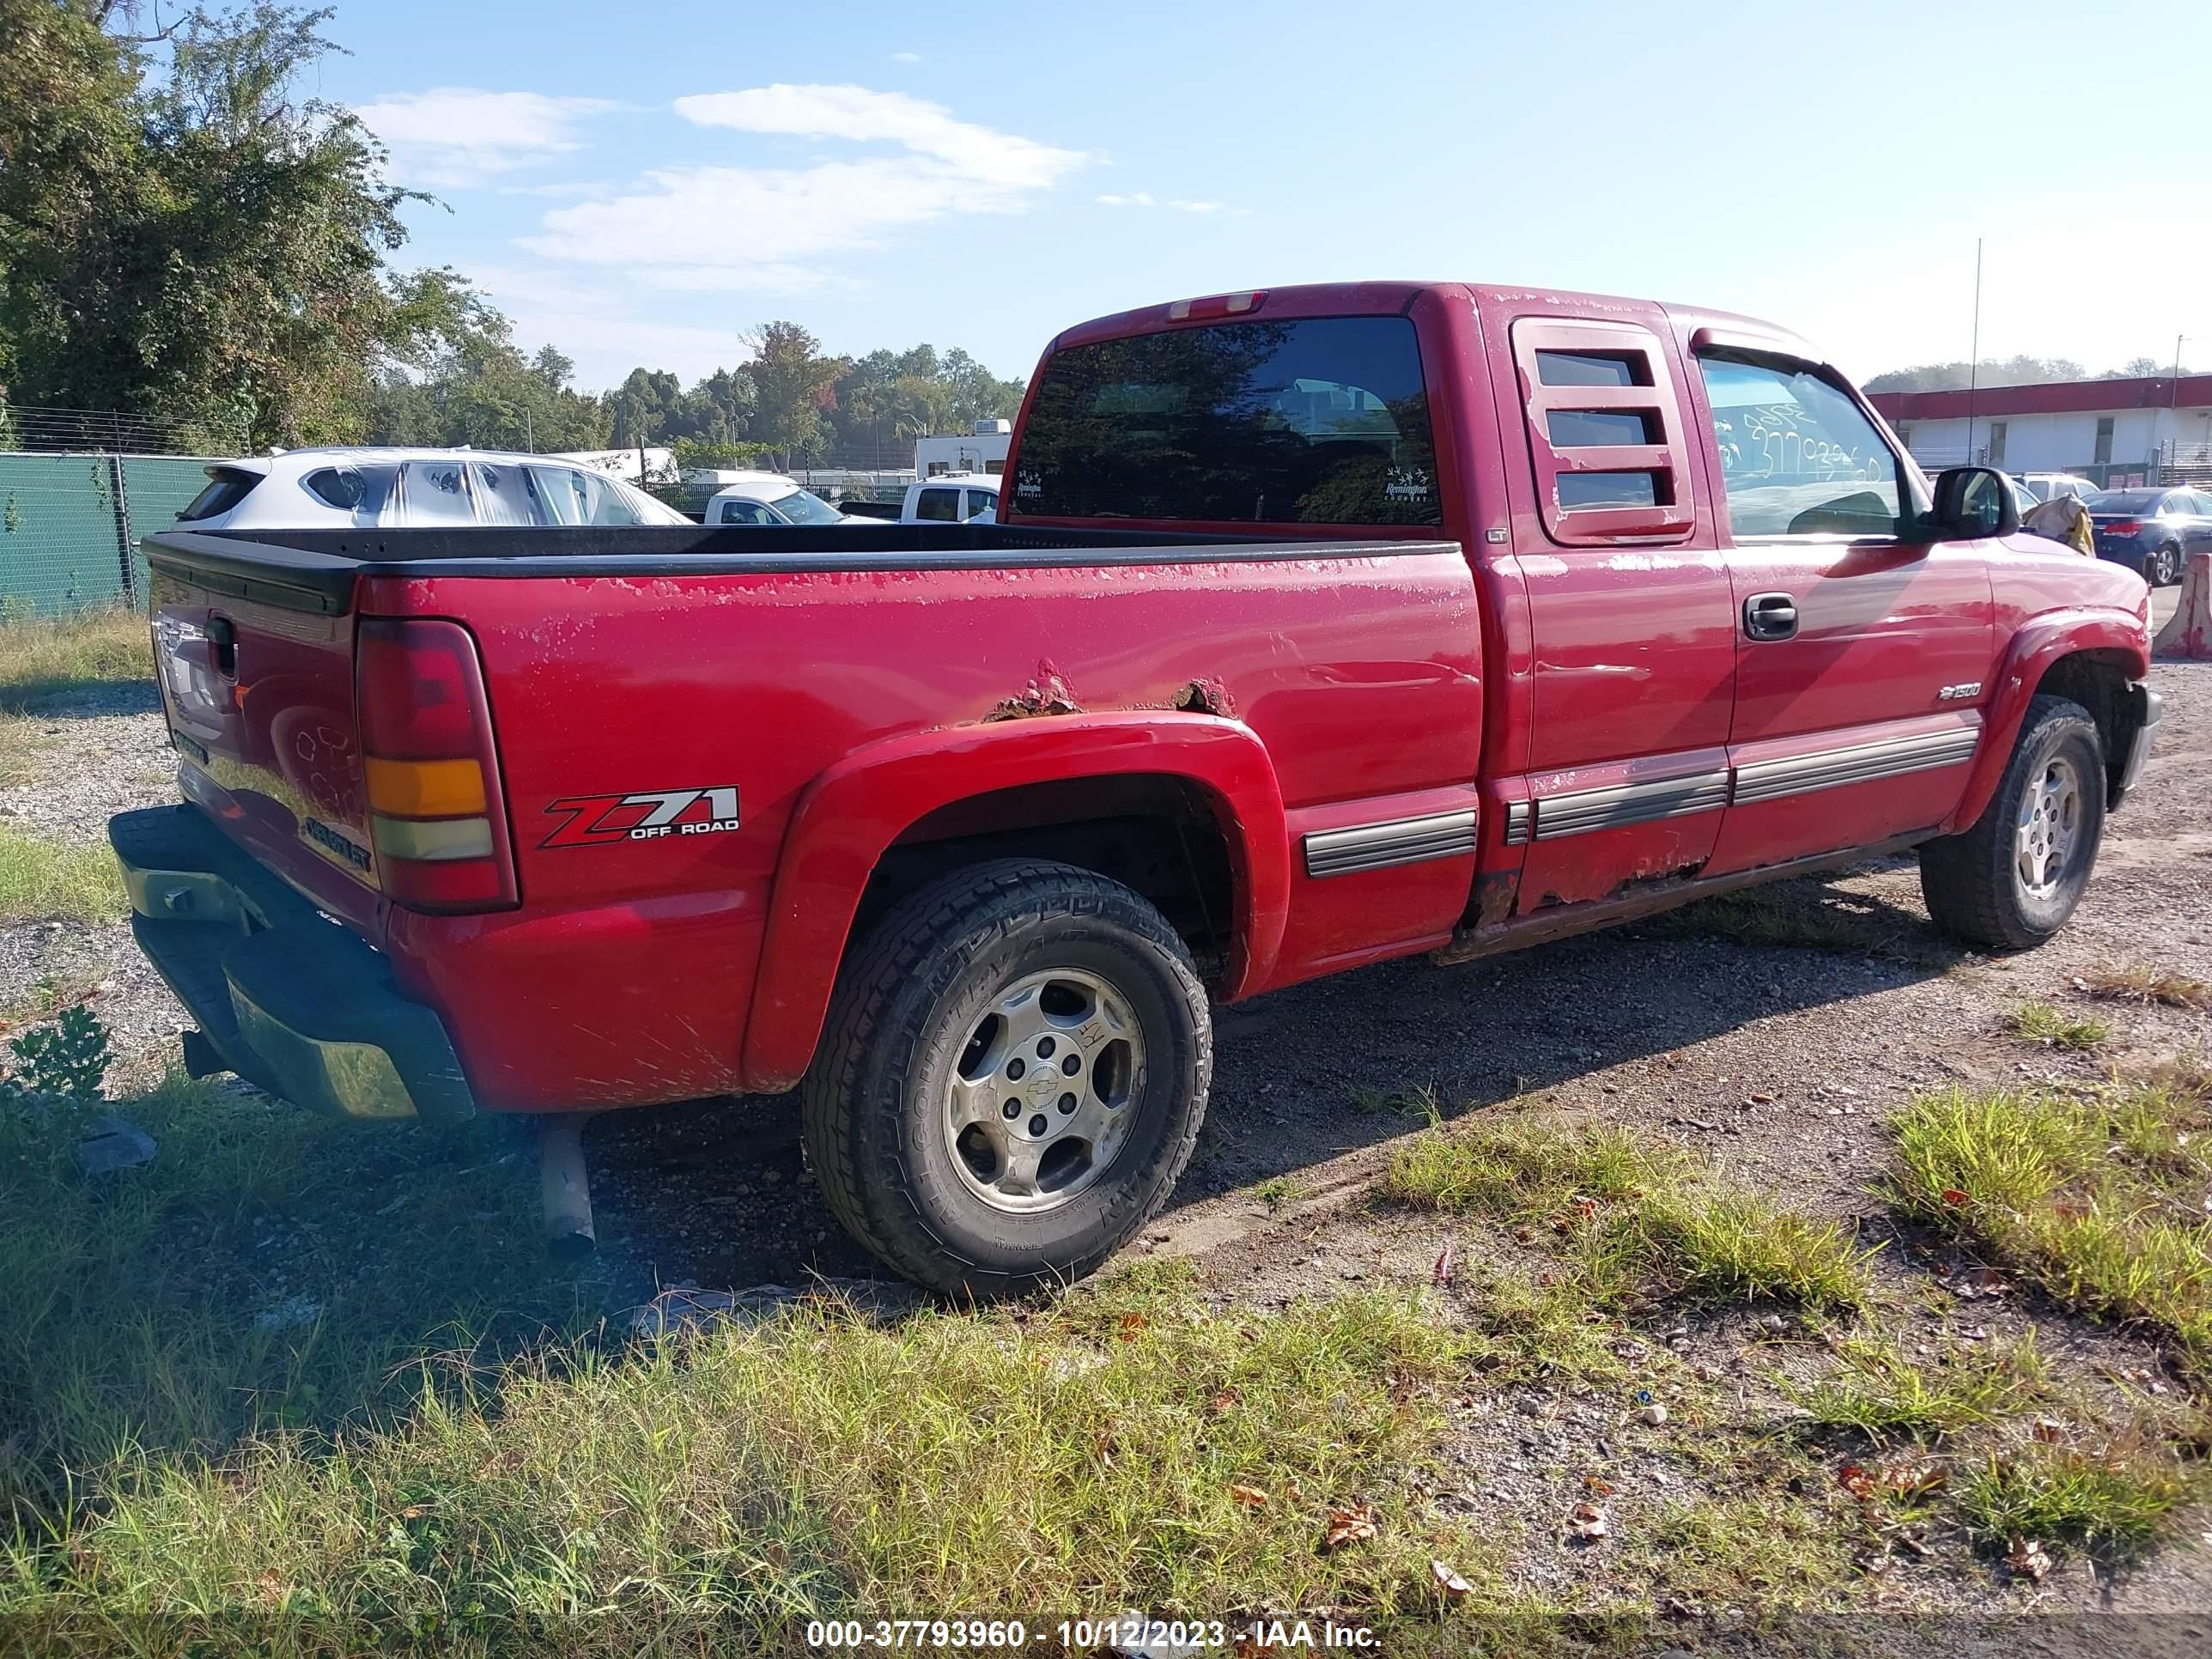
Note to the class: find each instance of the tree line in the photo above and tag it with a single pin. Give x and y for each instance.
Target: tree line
(184, 235)
(2009, 371)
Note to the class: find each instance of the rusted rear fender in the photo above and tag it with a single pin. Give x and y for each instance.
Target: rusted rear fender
(855, 810)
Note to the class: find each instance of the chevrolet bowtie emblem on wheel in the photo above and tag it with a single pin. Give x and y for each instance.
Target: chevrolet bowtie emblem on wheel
(644, 815)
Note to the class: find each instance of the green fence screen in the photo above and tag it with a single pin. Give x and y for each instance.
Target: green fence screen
(69, 526)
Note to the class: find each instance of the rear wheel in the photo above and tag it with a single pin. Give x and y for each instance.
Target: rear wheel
(2164, 567)
(1013, 1075)
(2011, 881)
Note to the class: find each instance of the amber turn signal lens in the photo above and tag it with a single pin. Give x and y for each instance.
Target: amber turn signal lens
(425, 789)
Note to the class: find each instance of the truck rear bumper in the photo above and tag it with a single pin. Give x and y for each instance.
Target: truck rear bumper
(286, 998)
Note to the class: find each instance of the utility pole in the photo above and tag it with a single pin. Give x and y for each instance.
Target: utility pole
(1974, 353)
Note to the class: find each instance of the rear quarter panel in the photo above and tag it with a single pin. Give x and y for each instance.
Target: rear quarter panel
(627, 975)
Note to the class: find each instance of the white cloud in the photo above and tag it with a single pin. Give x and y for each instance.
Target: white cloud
(737, 227)
(450, 137)
(601, 326)
(1145, 200)
(906, 57)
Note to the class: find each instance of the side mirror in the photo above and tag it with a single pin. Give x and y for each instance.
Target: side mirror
(1973, 502)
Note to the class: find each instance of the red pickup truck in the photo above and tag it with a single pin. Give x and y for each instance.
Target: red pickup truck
(1321, 626)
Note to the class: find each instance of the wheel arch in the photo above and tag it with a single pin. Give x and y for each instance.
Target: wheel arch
(2088, 656)
(895, 813)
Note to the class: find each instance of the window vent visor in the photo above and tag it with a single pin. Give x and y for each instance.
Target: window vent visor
(1605, 433)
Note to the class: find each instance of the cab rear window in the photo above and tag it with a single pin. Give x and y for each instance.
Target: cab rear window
(1319, 420)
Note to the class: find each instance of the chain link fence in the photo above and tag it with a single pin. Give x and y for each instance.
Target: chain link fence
(78, 487)
(70, 525)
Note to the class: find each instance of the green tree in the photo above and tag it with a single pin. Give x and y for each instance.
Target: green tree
(182, 232)
(794, 387)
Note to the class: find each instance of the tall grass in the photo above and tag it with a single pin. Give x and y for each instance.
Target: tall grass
(42, 879)
(44, 655)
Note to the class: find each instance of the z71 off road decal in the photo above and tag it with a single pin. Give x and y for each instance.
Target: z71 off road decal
(644, 815)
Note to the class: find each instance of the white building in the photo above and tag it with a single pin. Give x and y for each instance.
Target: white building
(980, 450)
(2119, 431)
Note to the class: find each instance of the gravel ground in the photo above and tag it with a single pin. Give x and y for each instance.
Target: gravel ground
(1781, 1060)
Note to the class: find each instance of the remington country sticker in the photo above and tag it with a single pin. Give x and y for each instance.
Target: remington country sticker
(643, 814)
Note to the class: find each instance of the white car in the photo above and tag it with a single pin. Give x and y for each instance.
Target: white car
(772, 498)
(347, 488)
(952, 498)
(2045, 486)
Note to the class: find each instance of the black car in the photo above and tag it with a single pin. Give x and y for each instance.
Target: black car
(2152, 532)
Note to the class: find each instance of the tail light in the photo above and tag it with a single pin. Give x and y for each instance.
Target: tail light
(2121, 527)
(436, 818)
(1218, 304)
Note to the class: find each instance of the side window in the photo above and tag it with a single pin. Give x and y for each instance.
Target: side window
(1797, 456)
(938, 506)
(742, 513)
(979, 501)
(435, 493)
(1605, 432)
(506, 495)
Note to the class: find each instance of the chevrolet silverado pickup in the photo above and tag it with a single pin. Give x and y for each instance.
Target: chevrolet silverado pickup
(1321, 626)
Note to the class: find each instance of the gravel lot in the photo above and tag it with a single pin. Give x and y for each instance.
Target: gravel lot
(1781, 1060)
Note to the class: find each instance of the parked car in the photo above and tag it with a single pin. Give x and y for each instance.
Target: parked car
(1320, 627)
(358, 488)
(2152, 532)
(951, 498)
(770, 498)
(2044, 485)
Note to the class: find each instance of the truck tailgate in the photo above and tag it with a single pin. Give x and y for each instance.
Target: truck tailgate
(257, 685)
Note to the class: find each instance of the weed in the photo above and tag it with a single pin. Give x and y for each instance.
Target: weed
(39, 656)
(1420, 1103)
(1878, 1390)
(2121, 1495)
(1276, 1191)
(45, 880)
(69, 1057)
(2039, 1022)
(2145, 983)
(1639, 1220)
(2100, 1199)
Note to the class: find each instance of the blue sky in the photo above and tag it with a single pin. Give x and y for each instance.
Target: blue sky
(642, 184)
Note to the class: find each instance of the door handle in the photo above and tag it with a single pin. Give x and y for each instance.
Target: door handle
(1770, 617)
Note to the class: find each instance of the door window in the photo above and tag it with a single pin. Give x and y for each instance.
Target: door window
(506, 495)
(743, 512)
(1798, 457)
(436, 492)
(570, 494)
(979, 501)
(938, 506)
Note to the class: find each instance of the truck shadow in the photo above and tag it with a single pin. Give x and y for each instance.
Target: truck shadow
(715, 1192)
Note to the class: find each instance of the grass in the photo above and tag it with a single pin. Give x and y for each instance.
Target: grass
(2148, 984)
(1129, 1449)
(48, 996)
(2120, 1496)
(2100, 1199)
(1880, 1390)
(2039, 1022)
(1642, 1221)
(42, 656)
(46, 880)
(1276, 1191)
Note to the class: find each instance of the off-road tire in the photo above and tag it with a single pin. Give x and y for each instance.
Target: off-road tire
(905, 1003)
(1972, 880)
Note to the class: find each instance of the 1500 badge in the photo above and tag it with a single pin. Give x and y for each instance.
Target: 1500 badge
(643, 814)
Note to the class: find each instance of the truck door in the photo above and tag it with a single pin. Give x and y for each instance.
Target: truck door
(1631, 613)
(1862, 652)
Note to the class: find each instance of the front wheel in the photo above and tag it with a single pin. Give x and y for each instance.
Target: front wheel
(1013, 1075)
(2010, 882)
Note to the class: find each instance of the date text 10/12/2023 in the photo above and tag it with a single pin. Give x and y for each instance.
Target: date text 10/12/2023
(1128, 1633)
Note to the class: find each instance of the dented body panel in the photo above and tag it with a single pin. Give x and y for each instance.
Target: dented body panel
(1523, 715)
